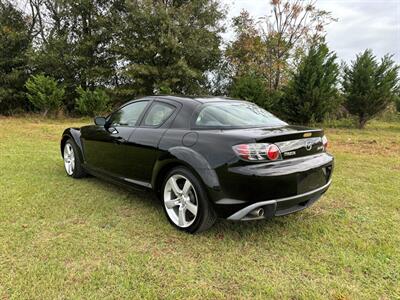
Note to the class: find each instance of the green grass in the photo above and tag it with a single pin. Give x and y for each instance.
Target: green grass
(63, 238)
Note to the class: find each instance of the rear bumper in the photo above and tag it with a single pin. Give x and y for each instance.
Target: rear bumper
(283, 186)
(280, 207)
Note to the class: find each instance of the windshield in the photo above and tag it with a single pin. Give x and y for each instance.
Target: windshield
(236, 115)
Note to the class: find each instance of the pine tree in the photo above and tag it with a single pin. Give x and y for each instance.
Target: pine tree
(311, 93)
(250, 88)
(397, 103)
(92, 103)
(44, 93)
(168, 45)
(370, 86)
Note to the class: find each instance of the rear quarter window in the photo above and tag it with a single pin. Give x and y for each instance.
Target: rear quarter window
(158, 114)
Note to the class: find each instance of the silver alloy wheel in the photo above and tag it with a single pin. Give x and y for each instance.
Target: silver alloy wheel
(180, 200)
(69, 159)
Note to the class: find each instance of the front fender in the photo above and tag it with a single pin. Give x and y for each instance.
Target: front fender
(190, 158)
(75, 135)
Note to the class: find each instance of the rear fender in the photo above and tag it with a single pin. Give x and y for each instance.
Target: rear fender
(190, 158)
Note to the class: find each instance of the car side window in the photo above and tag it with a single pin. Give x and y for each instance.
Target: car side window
(128, 115)
(158, 113)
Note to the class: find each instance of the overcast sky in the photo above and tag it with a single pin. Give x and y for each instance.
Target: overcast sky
(362, 24)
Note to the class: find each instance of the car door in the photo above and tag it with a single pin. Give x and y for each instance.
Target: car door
(147, 136)
(106, 147)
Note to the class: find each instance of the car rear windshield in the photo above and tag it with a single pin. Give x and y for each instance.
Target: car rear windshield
(235, 115)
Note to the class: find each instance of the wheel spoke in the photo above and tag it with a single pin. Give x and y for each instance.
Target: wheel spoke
(182, 217)
(69, 166)
(175, 188)
(186, 187)
(171, 203)
(191, 207)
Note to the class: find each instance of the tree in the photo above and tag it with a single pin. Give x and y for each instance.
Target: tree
(250, 88)
(44, 93)
(15, 41)
(166, 45)
(370, 86)
(75, 42)
(247, 52)
(220, 79)
(249, 64)
(270, 48)
(92, 102)
(311, 93)
(293, 25)
(397, 102)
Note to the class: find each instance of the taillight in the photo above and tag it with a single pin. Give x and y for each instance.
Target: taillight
(325, 142)
(273, 152)
(257, 151)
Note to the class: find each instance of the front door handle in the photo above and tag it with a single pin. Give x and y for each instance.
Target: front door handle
(112, 130)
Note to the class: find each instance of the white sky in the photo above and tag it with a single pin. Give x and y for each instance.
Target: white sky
(362, 24)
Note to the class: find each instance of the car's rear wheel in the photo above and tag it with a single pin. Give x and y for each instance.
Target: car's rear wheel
(185, 201)
(72, 163)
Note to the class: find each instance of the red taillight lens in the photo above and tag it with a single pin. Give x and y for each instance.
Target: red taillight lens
(325, 142)
(243, 151)
(257, 151)
(273, 152)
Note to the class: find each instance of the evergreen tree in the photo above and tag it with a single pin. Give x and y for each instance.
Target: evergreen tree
(168, 45)
(311, 93)
(44, 93)
(15, 41)
(250, 88)
(370, 86)
(92, 103)
(397, 103)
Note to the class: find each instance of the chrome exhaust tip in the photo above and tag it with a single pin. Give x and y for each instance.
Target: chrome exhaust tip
(258, 212)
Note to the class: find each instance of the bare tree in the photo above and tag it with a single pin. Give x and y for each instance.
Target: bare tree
(292, 24)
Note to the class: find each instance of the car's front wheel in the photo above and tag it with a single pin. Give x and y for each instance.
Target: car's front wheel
(185, 201)
(72, 163)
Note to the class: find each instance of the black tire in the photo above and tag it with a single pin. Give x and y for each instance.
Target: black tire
(206, 215)
(78, 171)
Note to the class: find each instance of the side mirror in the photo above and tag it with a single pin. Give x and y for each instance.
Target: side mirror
(100, 121)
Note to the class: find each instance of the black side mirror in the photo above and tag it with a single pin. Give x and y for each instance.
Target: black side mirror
(100, 121)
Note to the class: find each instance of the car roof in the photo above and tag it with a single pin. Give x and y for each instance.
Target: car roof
(203, 99)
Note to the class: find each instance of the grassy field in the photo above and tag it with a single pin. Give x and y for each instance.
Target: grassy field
(62, 238)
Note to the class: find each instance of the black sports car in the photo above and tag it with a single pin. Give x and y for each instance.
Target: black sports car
(204, 157)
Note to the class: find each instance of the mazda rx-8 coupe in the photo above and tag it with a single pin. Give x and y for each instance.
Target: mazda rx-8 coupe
(204, 158)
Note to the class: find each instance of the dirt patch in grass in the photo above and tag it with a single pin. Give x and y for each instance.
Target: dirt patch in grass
(367, 147)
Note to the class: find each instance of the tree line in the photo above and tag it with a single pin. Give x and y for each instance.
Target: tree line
(86, 57)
